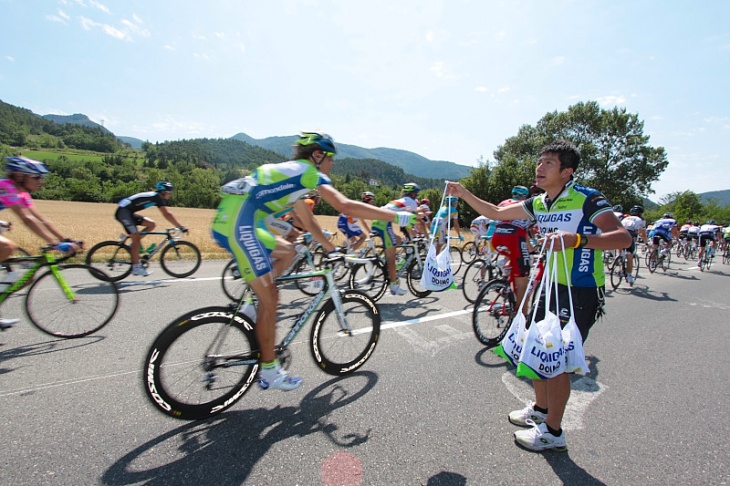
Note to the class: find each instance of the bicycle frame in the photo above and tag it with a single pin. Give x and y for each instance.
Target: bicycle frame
(39, 261)
(167, 240)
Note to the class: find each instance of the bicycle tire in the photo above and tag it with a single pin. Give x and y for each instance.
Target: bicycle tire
(726, 256)
(370, 278)
(666, 260)
(652, 261)
(304, 284)
(637, 264)
(95, 302)
(184, 380)
(493, 312)
(617, 272)
(233, 285)
(114, 259)
(455, 259)
(476, 276)
(469, 252)
(413, 279)
(180, 259)
(338, 351)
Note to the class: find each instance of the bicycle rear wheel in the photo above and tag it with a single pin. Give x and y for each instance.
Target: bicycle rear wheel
(201, 363)
(617, 272)
(726, 256)
(112, 258)
(370, 278)
(637, 261)
(180, 259)
(476, 276)
(87, 304)
(652, 260)
(18, 268)
(493, 312)
(342, 347)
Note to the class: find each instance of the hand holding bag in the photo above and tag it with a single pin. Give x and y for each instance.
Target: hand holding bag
(543, 354)
(437, 275)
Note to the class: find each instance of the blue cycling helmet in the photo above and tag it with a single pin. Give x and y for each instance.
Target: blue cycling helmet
(520, 191)
(320, 139)
(24, 165)
(163, 186)
(451, 199)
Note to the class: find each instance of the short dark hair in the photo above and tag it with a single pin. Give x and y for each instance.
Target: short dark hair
(304, 151)
(568, 153)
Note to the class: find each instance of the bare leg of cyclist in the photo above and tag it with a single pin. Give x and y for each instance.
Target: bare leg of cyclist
(520, 289)
(392, 272)
(272, 375)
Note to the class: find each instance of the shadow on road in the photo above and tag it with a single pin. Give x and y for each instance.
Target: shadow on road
(225, 449)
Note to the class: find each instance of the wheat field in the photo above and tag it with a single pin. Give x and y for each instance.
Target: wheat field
(94, 222)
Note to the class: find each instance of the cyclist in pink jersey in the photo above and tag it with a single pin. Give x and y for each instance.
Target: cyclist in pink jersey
(24, 176)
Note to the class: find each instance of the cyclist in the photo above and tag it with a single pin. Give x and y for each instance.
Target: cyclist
(584, 219)
(408, 203)
(709, 233)
(726, 236)
(127, 215)
(449, 211)
(636, 226)
(684, 229)
(424, 217)
(481, 227)
(665, 229)
(618, 210)
(349, 226)
(260, 255)
(693, 233)
(23, 176)
(512, 239)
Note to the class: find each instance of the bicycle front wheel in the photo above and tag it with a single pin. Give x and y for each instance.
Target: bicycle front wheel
(341, 344)
(233, 285)
(112, 258)
(493, 312)
(455, 259)
(201, 364)
(413, 279)
(726, 256)
(180, 259)
(74, 302)
(469, 252)
(370, 278)
(476, 276)
(617, 272)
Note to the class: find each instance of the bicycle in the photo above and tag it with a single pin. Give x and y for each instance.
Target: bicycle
(656, 258)
(726, 255)
(473, 249)
(206, 360)
(479, 272)
(177, 258)
(496, 305)
(234, 286)
(618, 269)
(370, 275)
(708, 254)
(70, 300)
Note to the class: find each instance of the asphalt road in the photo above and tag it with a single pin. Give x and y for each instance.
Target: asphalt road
(430, 407)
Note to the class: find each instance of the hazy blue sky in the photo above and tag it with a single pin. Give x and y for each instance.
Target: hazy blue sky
(449, 80)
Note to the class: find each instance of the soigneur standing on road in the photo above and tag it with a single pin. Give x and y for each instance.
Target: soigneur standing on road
(578, 213)
(261, 255)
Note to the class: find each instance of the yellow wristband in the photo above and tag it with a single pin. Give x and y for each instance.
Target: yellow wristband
(577, 240)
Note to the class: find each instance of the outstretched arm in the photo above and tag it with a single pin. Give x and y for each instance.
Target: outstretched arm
(491, 211)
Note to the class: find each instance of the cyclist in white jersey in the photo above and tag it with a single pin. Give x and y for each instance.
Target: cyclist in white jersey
(709, 234)
(585, 220)
(636, 226)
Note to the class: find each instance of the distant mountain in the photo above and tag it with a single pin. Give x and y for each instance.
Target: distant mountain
(410, 162)
(722, 197)
(135, 143)
(76, 119)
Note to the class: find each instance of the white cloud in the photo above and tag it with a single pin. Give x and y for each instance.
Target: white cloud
(611, 100)
(558, 60)
(481, 89)
(10, 58)
(62, 17)
(99, 6)
(126, 32)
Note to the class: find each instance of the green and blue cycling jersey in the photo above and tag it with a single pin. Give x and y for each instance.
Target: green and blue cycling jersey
(271, 188)
(573, 211)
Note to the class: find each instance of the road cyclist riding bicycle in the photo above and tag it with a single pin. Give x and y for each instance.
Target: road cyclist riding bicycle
(447, 215)
(709, 235)
(665, 229)
(260, 255)
(352, 228)
(636, 226)
(406, 204)
(127, 216)
(23, 176)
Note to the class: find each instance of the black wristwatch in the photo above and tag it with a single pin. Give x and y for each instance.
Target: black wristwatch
(583, 241)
